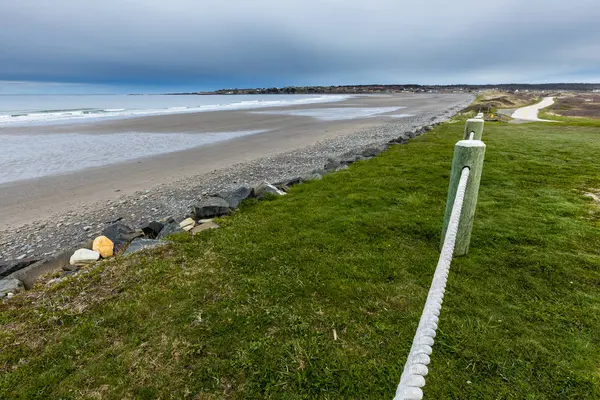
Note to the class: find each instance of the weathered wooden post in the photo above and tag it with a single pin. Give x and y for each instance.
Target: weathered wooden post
(469, 154)
(474, 125)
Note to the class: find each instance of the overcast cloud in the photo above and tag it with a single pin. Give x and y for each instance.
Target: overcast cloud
(202, 44)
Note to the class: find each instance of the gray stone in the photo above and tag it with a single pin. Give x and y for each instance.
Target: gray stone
(349, 159)
(371, 151)
(169, 229)
(10, 285)
(332, 165)
(210, 207)
(152, 229)
(56, 262)
(399, 140)
(8, 267)
(288, 183)
(121, 235)
(234, 198)
(140, 244)
(311, 177)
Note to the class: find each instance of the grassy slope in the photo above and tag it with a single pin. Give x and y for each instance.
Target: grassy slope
(248, 311)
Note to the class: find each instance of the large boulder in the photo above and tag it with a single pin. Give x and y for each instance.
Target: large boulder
(152, 229)
(10, 285)
(84, 257)
(8, 267)
(121, 235)
(210, 207)
(140, 244)
(169, 229)
(235, 197)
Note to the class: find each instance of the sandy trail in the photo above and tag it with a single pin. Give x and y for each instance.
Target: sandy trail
(530, 113)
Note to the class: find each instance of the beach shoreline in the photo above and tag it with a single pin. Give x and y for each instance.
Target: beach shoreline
(40, 216)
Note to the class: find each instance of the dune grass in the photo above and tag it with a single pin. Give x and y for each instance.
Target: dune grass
(317, 294)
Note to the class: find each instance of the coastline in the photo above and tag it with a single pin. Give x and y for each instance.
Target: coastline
(41, 216)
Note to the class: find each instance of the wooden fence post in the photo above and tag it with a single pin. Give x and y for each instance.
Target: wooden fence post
(470, 154)
(474, 125)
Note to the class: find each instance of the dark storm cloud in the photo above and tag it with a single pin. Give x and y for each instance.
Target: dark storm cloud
(212, 43)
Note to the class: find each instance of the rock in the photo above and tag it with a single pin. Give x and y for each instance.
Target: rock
(371, 151)
(288, 183)
(203, 221)
(235, 197)
(311, 177)
(140, 244)
(203, 227)
(348, 159)
(266, 187)
(84, 256)
(187, 224)
(332, 165)
(399, 140)
(169, 229)
(104, 246)
(121, 235)
(10, 285)
(8, 267)
(152, 229)
(87, 228)
(210, 207)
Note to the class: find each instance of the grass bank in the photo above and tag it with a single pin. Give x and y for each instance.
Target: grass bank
(250, 310)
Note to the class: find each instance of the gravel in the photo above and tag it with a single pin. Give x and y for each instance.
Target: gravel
(57, 232)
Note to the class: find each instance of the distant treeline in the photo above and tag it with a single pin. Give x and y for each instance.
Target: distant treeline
(403, 88)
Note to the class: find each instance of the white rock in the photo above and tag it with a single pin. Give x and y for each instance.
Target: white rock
(187, 224)
(84, 256)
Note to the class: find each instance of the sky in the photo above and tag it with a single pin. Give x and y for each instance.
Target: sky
(124, 46)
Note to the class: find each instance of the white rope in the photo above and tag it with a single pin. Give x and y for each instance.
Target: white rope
(415, 369)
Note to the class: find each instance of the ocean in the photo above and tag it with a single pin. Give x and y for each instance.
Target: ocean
(44, 109)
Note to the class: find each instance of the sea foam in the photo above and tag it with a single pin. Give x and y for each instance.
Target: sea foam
(143, 106)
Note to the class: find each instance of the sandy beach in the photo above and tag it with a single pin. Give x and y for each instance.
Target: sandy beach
(165, 184)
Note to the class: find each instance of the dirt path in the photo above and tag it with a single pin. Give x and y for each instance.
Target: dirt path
(530, 113)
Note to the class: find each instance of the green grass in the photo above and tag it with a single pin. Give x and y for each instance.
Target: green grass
(249, 310)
